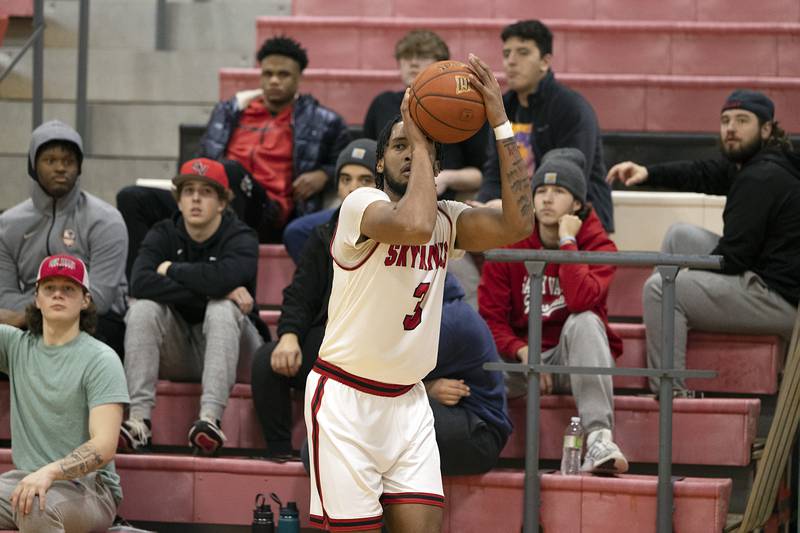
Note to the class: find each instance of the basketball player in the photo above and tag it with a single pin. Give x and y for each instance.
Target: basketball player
(372, 443)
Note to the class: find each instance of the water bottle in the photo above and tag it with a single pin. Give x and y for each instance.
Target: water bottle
(289, 519)
(262, 516)
(573, 447)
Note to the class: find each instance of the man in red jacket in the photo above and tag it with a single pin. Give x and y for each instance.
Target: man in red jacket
(574, 315)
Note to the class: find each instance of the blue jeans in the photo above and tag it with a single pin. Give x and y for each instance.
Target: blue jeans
(297, 231)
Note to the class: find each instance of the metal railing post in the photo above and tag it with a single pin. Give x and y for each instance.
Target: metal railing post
(161, 24)
(83, 61)
(532, 500)
(37, 97)
(665, 496)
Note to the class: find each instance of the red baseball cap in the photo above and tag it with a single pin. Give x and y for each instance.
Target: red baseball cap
(203, 169)
(65, 266)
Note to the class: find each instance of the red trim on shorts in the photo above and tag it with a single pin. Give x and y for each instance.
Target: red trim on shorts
(369, 386)
(423, 498)
(357, 265)
(346, 524)
(316, 403)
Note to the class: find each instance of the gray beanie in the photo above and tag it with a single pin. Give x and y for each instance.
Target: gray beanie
(359, 152)
(53, 130)
(563, 167)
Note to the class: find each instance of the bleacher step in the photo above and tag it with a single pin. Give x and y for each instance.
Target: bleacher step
(728, 425)
(700, 10)
(220, 491)
(579, 46)
(623, 102)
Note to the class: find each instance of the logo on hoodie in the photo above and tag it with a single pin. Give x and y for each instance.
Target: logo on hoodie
(69, 238)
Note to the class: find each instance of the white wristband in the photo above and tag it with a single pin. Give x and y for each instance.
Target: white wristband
(503, 131)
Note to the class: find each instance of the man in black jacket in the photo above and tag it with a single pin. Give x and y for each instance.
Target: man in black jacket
(546, 115)
(758, 289)
(194, 281)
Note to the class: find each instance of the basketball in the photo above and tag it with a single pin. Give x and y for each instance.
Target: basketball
(444, 104)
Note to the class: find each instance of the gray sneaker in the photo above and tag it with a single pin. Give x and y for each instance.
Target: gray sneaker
(134, 434)
(602, 455)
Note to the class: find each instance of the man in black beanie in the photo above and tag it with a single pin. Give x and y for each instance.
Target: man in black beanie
(758, 289)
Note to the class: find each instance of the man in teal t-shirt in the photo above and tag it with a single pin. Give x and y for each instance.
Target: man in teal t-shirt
(68, 391)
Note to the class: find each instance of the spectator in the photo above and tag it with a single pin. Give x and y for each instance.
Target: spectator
(546, 115)
(67, 396)
(468, 403)
(758, 289)
(194, 280)
(574, 314)
(60, 217)
(287, 142)
(279, 366)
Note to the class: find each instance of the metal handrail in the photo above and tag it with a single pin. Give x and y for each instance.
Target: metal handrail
(667, 266)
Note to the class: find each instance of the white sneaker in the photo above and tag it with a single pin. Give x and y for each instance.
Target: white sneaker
(134, 434)
(602, 455)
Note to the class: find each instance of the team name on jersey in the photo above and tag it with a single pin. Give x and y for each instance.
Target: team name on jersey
(420, 256)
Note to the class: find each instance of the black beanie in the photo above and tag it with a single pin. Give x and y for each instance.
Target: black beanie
(753, 101)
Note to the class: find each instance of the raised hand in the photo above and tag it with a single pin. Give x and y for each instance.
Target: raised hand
(485, 82)
(628, 172)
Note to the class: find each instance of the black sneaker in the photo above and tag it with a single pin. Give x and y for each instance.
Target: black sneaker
(134, 435)
(206, 437)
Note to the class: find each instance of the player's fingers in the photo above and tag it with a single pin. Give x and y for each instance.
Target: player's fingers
(481, 68)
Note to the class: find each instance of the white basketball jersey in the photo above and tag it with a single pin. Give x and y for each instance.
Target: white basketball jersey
(385, 308)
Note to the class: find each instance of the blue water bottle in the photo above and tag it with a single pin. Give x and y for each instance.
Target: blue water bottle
(289, 516)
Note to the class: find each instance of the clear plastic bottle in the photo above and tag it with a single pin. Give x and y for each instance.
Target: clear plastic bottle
(572, 448)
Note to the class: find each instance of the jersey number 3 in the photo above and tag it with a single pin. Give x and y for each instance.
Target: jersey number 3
(412, 321)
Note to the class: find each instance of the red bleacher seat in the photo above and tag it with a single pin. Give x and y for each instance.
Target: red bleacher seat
(728, 421)
(275, 271)
(625, 292)
(747, 364)
(580, 46)
(183, 489)
(624, 102)
(728, 427)
(701, 10)
(17, 8)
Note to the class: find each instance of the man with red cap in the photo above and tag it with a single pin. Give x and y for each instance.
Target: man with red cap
(193, 282)
(758, 289)
(67, 397)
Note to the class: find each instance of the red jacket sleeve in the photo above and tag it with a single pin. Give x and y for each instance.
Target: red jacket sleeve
(494, 305)
(585, 287)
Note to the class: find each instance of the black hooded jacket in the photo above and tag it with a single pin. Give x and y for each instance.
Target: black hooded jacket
(761, 219)
(200, 271)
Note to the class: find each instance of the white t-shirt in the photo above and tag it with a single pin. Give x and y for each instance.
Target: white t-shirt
(386, 301)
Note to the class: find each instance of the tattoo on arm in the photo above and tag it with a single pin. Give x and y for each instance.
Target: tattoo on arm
(517, 177)
(83, 460)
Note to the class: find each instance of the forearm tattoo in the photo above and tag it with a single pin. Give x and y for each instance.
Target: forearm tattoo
(517, 177)
(83, 460)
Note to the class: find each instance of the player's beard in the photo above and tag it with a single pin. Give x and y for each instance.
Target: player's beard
(744, 152)
(395, 186)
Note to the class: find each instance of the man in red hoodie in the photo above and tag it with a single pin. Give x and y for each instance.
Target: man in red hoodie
(574, 315)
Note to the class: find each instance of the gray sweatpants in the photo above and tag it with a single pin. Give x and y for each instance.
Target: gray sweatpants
(709, 301)
(78, 506)
(583, 342)
(159, 343)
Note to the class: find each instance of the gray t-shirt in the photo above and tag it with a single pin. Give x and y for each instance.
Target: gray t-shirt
(53, 388)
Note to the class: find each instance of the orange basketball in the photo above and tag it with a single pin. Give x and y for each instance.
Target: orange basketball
(444, 104)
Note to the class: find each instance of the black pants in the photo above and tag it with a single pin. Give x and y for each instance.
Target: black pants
(271, 391)
(111, 330)
(467, 444)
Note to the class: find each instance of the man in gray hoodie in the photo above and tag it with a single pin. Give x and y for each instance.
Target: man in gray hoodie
(60, 218)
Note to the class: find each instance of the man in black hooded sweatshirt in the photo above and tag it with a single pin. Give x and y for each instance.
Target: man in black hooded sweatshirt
(758, 289)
